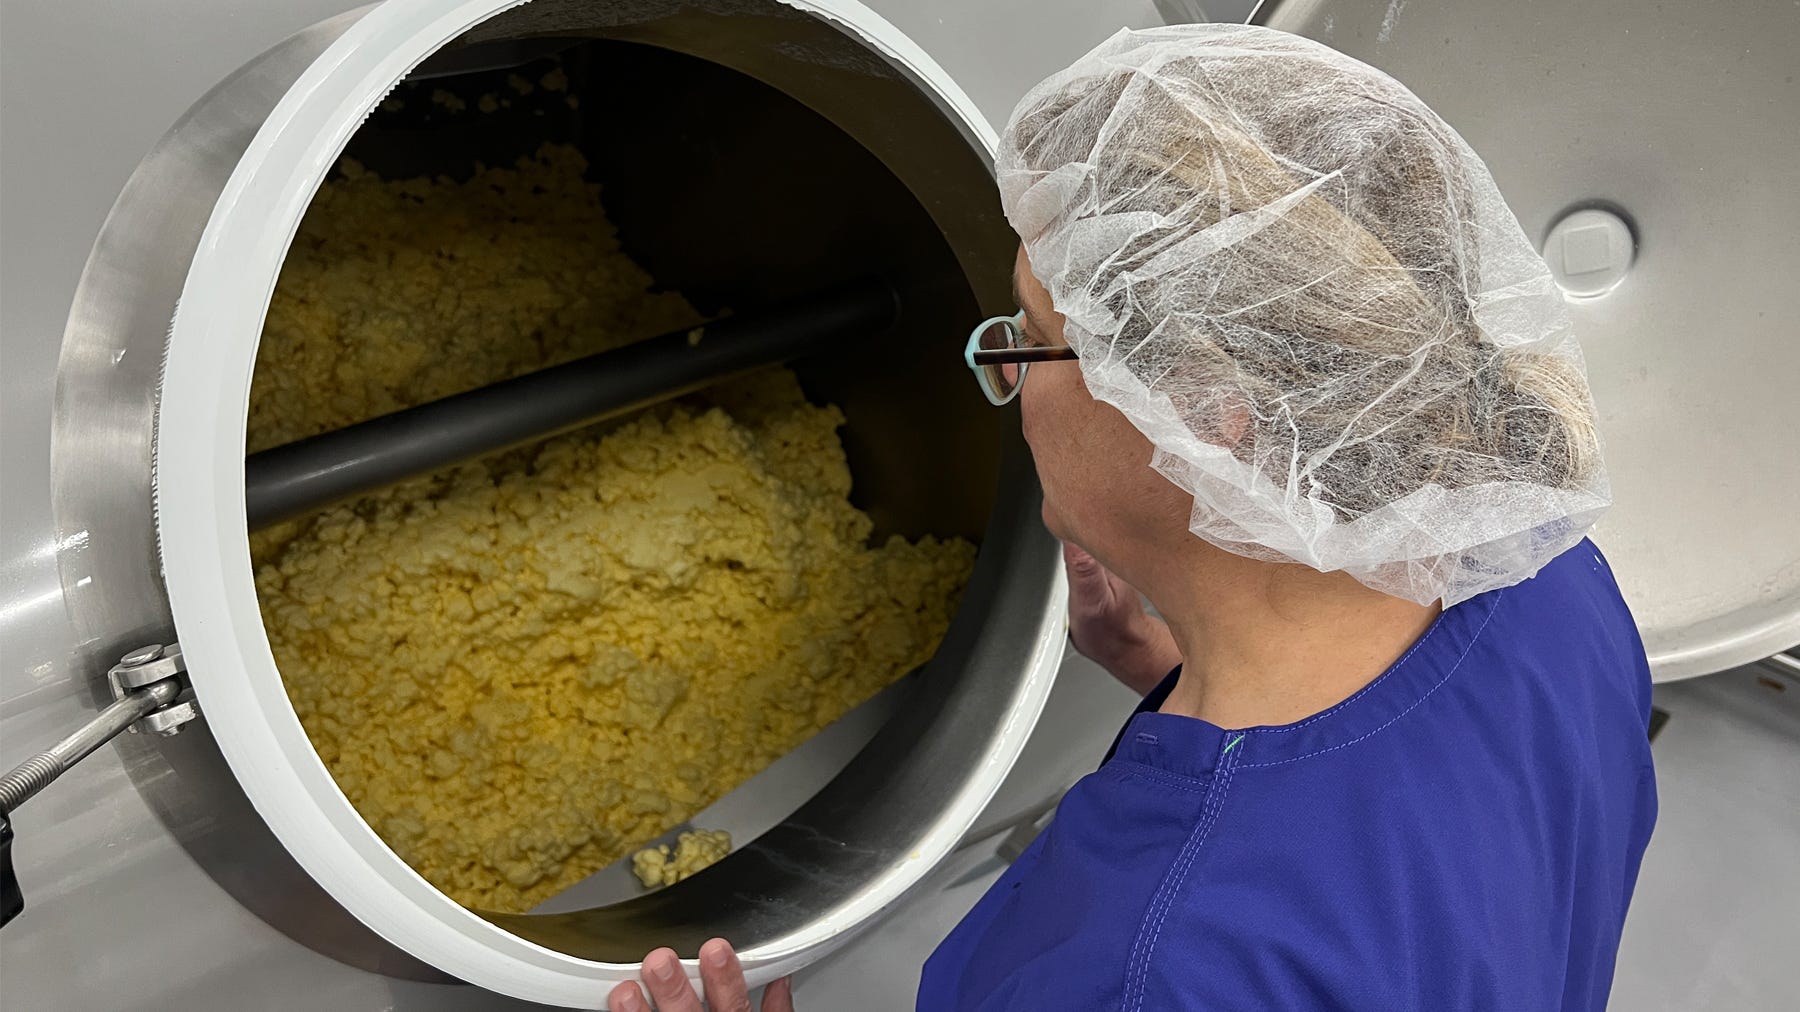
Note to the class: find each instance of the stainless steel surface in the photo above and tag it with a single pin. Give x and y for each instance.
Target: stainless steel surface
(756, 807)
(301, 477)
(1678, 118)
(920, 212)
(854, 169)
(142, 656)
(72, 139)
(99, 934)
(1188, 12)
(880, 972)
(169, 720)
(101, 453)
(145, 665)
(1712, 922)
(86, 88)
(101, 440)
(150, 666)
(40, 771)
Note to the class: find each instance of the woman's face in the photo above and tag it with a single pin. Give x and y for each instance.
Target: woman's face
(1099, 489)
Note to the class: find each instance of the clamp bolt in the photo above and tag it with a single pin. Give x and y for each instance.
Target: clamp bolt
(142, 655)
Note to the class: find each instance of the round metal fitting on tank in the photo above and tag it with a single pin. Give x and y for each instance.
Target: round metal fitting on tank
(760, 150)
(1589, 251)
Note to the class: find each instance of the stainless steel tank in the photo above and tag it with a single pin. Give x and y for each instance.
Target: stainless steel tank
(1649, 149)
(757, 150)
(1633, 108)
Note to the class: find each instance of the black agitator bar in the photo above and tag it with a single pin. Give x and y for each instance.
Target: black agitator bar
(299, 477)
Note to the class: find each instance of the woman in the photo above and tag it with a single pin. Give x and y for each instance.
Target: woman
(1329, 418)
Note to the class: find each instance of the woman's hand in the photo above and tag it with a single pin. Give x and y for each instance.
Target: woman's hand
(1109, 626)
(720, 973)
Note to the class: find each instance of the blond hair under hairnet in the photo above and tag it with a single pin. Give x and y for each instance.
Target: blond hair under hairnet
(1303, 286)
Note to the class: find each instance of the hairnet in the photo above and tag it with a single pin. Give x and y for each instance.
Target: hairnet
(1305, 289)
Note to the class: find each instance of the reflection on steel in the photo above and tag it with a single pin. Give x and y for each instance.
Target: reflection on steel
(141, 693)
(101, 470)
(893, 184)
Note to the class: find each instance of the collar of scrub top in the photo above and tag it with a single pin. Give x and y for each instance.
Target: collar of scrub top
(980, 359)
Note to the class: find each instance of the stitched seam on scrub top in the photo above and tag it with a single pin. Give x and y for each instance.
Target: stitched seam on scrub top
(1396, 666)
(1137, 971)
(1415, 704)
(1133, 768)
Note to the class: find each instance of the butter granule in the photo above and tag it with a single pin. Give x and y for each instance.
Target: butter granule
(521, 668)
(693, 852)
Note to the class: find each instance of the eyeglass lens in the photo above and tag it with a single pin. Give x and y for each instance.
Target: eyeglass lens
(1004, 379)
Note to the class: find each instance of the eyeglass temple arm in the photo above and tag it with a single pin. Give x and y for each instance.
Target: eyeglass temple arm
(1012, 356)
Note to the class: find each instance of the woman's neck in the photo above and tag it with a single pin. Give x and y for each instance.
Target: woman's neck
(1272, 643)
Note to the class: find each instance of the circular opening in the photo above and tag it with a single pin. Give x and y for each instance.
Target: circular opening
(528, 668)
(740, 168)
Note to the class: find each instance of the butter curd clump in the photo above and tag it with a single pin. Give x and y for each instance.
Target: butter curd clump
(524, 667)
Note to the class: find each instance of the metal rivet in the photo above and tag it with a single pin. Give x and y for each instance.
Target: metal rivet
(142, 655)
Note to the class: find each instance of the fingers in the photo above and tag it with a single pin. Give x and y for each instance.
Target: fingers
(723, 976)
(668, 985)
(720, 972)
(1091, 590)
(626, 998)
(779, 996)
(1080, 563)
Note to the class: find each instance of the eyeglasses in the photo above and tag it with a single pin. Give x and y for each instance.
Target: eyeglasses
(998, 360)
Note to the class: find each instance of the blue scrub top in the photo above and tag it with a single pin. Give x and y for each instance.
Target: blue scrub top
(1463, 833)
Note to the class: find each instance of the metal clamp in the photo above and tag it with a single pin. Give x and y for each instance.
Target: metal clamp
(143, 668)
(148, 696)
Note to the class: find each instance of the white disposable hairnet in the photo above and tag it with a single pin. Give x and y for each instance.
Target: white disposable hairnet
(1303, 286)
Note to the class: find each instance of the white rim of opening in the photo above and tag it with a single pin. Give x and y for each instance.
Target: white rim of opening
(200, 519)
